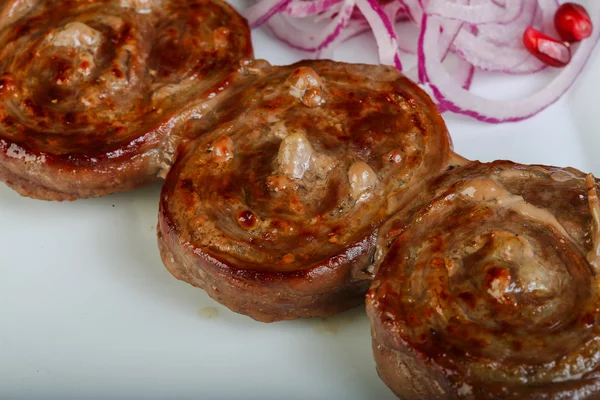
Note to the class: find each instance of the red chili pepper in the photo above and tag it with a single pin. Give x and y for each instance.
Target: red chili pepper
(548, 50)
(572, 22)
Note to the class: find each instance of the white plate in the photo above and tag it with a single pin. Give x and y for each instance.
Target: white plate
(87, 309)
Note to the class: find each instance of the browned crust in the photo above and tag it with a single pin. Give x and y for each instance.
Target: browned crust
(48, 165)
(413, 354)
(411, 377)
(267, 297)
(330, 281)
(43, 179)
(405, 375)
(28, 189)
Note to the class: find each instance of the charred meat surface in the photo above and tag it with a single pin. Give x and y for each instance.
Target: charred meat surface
(274, 206)
(490, 290)
(93, 94)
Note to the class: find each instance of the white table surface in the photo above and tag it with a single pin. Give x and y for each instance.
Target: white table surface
(88, 311)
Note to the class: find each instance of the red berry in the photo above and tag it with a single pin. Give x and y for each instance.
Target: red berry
(572, 22)
(548, 50)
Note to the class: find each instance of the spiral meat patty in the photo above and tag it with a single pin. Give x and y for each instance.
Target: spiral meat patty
(93, 94)
(274, 208)
(491, 289)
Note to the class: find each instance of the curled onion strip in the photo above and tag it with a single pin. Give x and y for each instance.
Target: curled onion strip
(286, 30)
(302, 9)
(454, 98)
(485, 34)
(379, 21)
(484, 13)
(262, 11)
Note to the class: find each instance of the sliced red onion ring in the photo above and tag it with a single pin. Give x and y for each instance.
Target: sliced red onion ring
(394, 10)
(302, 9)
(353, 29)
(461, 36)
(461, 71)
(328, 14)
(511, 34)
(384, 32)
(482, 13)
(450, 95)
(414, 10)
(289, 31)
(458, 69)
(489, 56)
(549, 8)
(448, 32)
(262, 11)
(406, 34)
(499, 47)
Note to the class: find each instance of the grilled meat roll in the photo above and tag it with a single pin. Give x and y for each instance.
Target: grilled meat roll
(490, 290)
(93, 94)
(273, 208)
